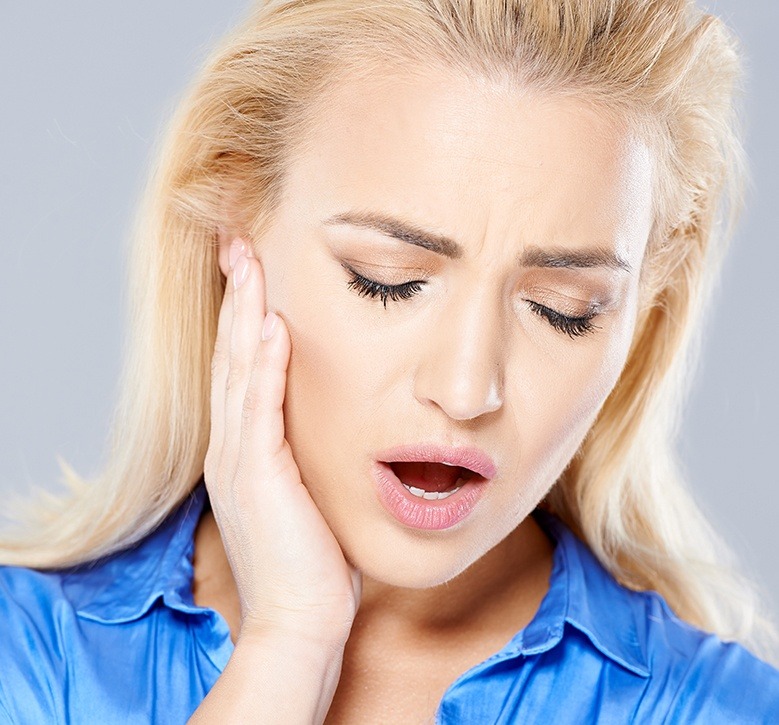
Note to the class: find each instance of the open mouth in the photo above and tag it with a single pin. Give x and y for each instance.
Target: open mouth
(432, 480)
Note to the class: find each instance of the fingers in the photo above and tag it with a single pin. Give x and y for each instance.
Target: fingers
(248, 378)
(220, 363)
(263, 433)
(247, 313)
(243, 305)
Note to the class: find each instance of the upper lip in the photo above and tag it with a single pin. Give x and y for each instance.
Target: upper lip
(466, 456)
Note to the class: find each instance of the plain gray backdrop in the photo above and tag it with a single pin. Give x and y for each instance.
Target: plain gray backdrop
(87, 84)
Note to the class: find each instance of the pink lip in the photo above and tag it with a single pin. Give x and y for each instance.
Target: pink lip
(421, 513)
(465, 456)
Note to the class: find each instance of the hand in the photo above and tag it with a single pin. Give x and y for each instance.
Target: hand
(288, 567)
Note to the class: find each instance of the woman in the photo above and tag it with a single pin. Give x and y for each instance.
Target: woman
(435, 482)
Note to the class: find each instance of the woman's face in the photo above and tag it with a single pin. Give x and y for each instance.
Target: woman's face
(548, 202)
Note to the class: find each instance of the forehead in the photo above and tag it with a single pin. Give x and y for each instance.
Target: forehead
(465, 154)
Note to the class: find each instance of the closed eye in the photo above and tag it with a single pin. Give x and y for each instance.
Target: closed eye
(571, 326)
(371, 288)
(566, 324)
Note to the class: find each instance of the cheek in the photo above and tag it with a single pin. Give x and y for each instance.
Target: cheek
(559, 400)
(333, 384)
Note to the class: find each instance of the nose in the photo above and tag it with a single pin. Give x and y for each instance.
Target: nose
(462, 365)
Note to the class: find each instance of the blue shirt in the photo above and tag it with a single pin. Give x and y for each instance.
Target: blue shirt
(120, 640)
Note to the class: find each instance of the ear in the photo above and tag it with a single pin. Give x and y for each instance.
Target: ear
(225, 237)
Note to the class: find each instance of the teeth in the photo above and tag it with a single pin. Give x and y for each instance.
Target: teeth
(434, 495)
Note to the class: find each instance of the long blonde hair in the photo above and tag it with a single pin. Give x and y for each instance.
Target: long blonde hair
(663, 63)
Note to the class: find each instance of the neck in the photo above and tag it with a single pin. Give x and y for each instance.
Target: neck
(501, 591)
(505, 587)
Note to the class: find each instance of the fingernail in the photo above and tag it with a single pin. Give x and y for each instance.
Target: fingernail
(237, 248)
(240, 272)
(269, 326)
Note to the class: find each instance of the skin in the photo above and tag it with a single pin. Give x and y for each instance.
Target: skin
(467, 360)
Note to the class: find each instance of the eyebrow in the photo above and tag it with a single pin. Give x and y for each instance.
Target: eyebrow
(532, 256)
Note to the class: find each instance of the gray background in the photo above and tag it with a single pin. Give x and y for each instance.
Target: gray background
(85, 87)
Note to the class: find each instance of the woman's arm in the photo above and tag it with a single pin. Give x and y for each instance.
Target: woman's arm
(275, 677)
(298, 595)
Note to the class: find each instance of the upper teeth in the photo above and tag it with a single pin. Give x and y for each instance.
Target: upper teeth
(433, 495)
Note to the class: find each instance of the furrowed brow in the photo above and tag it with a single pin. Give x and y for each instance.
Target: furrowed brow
(576, 258)
(401, 230)
(533, 256)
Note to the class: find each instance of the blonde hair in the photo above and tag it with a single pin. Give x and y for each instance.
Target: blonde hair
(671, 68)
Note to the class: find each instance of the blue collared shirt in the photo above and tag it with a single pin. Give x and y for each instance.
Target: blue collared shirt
(120, 640)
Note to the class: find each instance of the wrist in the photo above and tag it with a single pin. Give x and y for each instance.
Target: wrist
(322, 636)
(282, 674)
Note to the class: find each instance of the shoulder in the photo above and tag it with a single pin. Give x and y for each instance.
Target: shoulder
(680, 673)
(704, 678)
(36, 617)
(97, 637)
(32, 602)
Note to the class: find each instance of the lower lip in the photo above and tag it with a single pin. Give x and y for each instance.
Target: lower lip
(420, 513)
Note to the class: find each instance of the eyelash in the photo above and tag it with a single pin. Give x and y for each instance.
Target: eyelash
(571, 326)
(367, 287)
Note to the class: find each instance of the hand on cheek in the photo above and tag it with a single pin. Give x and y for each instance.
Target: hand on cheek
(288, 567)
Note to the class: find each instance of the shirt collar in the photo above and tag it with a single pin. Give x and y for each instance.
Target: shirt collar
(586, 596)
(123, 586)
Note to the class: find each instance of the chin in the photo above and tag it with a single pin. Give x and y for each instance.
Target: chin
(408, 570)
(411, 578)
